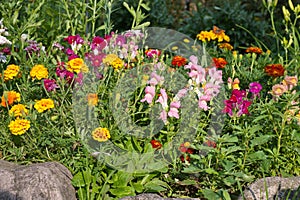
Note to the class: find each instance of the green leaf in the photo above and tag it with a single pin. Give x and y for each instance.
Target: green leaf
(209, 194)
(122, 191)
(260, 118)
(138, 187)
(192, 170)
(231, 149)
(78, 180)
(260, 140)
(211, 171)
(259, 155)
(156, 185)
(188, 182)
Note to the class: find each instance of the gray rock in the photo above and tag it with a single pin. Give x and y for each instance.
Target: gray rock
(42, 181)
(149, 196)
(277, 188)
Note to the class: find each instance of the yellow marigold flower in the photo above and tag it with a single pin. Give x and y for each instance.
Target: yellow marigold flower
(92, 99)
(220, 34)
(18, 110)
(206, 36)
(39, 72)
(44, 104)
(101, 134)
(114, 61)
(77, 65)
(19, 126)
(9, 97)
(225, 45)
(11, 72)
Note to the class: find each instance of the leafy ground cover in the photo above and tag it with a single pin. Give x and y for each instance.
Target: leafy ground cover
(149, 109)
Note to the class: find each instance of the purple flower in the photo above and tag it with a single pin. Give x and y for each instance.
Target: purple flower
(62, 73)
(255, 88)
(243, 108)
(50, 85)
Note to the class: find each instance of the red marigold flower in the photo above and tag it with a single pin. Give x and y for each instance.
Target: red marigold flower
(256, 50)
(179, 61)
(156, 144)
(220, 62)
(211, 143)
(274, 70)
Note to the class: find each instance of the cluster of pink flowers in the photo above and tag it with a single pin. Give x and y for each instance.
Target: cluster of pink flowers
(205, 83)
(287, 84)
(238, 103)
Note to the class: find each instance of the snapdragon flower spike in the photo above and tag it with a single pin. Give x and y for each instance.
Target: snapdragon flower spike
(150, 93)
(236, 102)
(155, 79)
(163, 100)
(197, 73)
(50, 85)
(174, 112)
(75, 41)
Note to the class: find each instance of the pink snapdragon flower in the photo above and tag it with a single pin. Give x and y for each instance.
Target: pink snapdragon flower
(174, 112)
(163, 100)
(75, 41)
(150, 93)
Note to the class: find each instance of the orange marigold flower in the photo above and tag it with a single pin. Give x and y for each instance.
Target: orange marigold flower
(19, 126)
(11, 72)
(92, 99)
(225, 45)
(18, 110)
(256, 50)
(9, 97)
(156, 144)
(220, 62)
(39, 72)
(77, 65)
(44, 104)
(101, 134)
(178, 61)
(274, 70)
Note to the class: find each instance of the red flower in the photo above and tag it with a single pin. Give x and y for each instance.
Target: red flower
(156, 144)
(179, 61)
(185, 149)
(211, 143)
(220, 62)
(256, 50)
(274, 70)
